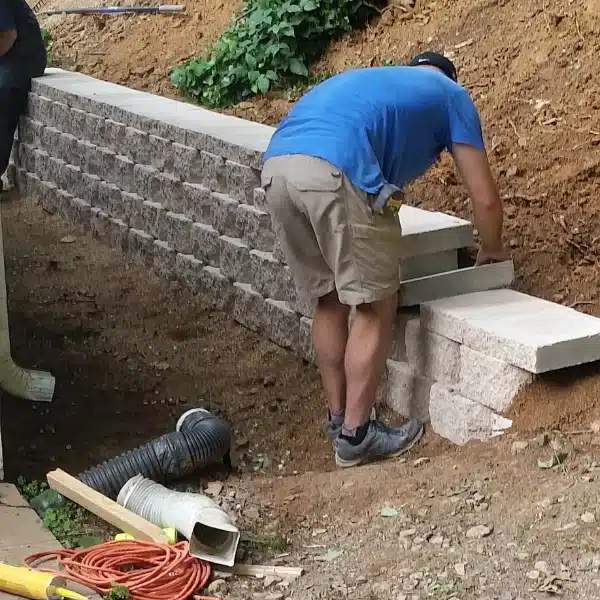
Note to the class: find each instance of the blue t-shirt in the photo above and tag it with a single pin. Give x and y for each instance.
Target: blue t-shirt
(380, 125)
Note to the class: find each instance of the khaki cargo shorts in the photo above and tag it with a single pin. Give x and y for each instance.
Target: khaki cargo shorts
(331, 238)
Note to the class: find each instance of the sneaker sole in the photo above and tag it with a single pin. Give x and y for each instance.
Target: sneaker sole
(340, 462)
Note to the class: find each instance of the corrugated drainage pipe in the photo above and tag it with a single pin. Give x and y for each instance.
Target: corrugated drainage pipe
(200, 439)
(209, 529)
(21, 383)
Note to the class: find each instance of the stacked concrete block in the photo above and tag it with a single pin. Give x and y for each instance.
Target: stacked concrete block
(177, 188)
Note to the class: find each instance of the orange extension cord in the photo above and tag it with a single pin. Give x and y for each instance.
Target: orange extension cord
(150, 571)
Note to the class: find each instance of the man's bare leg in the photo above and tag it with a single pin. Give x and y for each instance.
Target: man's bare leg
(330, 335)
(367, 349)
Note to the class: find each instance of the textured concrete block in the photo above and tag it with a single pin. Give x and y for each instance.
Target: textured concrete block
(428, 264)
(163, 263)
(146, 182)
(153, 219)
(249, 307)
(527, 332)
(305, 345)
(31, 131)
(212, 172)
(426, 232)
(69, 178)
(86, 157)
(187, 163)
(454, 283)
(122, 173)
(109, 198)
(61, 115)
(33, 187)
(269, 276)
(171, 194)
(95, 129)
(405, 391)
(136, 146)
(55, 166)
(68, 148)
(161, 153)
(398, 347)
(241, 181)
(90, 188)
(50, 140)
(461, 420)
(235, 263)
(27, 157)
(489, 381)
(259, 199)
(179, 232)
(114, 136)
(432, 354)
(282, 324)
(132, 209)
(117, 233)
(79, 213)
(99, 223)
(257, 230)
(77, 123)
(141, 247)
(197, 203)
(225, 217)
(188, 271)
(48, 193)
(278, 250)
(39, 107)
(63, 204)
(206, 245)
(297, 302)
(220, 290)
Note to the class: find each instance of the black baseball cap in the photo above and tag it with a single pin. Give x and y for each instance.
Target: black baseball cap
(434, 59)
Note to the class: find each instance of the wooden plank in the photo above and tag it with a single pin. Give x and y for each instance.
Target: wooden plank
(263, 571)
(105, 508)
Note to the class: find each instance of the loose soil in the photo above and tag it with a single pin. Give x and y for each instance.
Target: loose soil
(131, 352)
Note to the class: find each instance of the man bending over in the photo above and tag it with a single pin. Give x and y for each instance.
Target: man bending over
(334, 174)
(22, 56)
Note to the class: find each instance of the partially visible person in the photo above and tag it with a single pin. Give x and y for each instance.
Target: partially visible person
(22, 57)
(334, 175)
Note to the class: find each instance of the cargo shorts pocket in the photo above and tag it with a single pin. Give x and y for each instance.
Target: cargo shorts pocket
(316, 180)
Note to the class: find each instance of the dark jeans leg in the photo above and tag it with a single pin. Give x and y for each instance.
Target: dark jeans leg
(13, 103)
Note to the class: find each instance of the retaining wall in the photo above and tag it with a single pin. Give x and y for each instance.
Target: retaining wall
(177, 189)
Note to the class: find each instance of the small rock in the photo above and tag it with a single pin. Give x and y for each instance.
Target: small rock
(420, 461)
(459, 568)
(522, 555)
(519, 446)
(408, 532)
(479, 531)
(437, 540)
(588, 517)
(533, 574)
(361, 579)
(269, 381)
(542, 566)
(218, 585)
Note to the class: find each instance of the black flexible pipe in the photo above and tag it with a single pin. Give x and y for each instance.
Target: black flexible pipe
(201, 439)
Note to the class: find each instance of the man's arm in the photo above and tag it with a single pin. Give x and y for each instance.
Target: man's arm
(474, 169)
(7, 39)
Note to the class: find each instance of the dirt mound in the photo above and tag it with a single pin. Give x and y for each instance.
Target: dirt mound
(531, 69)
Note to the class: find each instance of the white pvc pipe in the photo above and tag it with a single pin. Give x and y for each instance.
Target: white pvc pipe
(29, 384)
(212, 535)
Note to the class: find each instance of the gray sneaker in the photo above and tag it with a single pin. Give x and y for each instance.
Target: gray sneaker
(381, 441)
(333, 430)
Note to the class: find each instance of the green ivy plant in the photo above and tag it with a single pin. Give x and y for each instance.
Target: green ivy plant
(271, 44)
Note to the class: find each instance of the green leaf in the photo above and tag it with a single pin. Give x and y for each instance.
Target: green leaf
(272, 75)
(250, 60)
(309, 5)
(297, 67)
(263, 84)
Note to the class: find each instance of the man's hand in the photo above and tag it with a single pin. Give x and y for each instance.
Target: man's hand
(485, 258)
(475, 172)
(7, 39)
